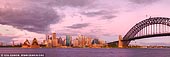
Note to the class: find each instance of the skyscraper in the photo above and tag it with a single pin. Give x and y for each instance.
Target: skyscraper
(47, 36)
(49, 45)
(60, 41)
(75, 42)
(53, 35)
(81, 39)
(13, 43)
(88, 41)
(64, 42)
(95, 41)
(54, 40)
(68, 40)
(45, 42)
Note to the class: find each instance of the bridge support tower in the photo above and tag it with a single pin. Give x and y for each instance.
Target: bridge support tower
(120, 43)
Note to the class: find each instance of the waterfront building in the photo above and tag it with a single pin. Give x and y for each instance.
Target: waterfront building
(35, 44)
(26, 44)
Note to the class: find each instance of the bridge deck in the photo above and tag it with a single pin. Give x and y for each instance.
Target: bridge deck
(148, 36)
(145, 36)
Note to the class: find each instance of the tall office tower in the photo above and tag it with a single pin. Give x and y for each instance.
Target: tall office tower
(13, 43)
(80, 40)
(64, 42)
(53, 35)
(101, 41)
(45, 42)
(54, 40)
(68, 40)
(60, 41)
(84, 40)
(47, 36)
(88, 41)
(49, 45)
(71, 41)
(1, 43)
(75, 42)
(95, 41)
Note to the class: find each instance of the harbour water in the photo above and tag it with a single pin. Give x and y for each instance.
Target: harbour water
(93, 52)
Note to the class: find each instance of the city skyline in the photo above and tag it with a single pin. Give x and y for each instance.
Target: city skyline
(26, 19)
(52, 41)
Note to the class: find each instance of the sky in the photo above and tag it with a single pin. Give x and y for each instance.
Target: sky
(26, 19)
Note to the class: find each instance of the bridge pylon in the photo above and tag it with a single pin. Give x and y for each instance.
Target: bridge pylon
(120, 43)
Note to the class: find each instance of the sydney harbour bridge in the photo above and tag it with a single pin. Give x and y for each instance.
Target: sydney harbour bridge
(151, 27)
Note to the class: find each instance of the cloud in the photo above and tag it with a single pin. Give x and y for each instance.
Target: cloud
(107, 34)
(28, 16)
(108, 17)
(72, 3)
(143, 1)
(78, 26)
(95, 13)
(6, 38)
(105, 15)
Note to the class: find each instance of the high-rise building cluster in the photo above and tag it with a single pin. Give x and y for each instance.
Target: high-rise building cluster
(80, 41)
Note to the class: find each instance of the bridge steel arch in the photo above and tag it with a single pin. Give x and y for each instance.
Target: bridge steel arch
(141, 25)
